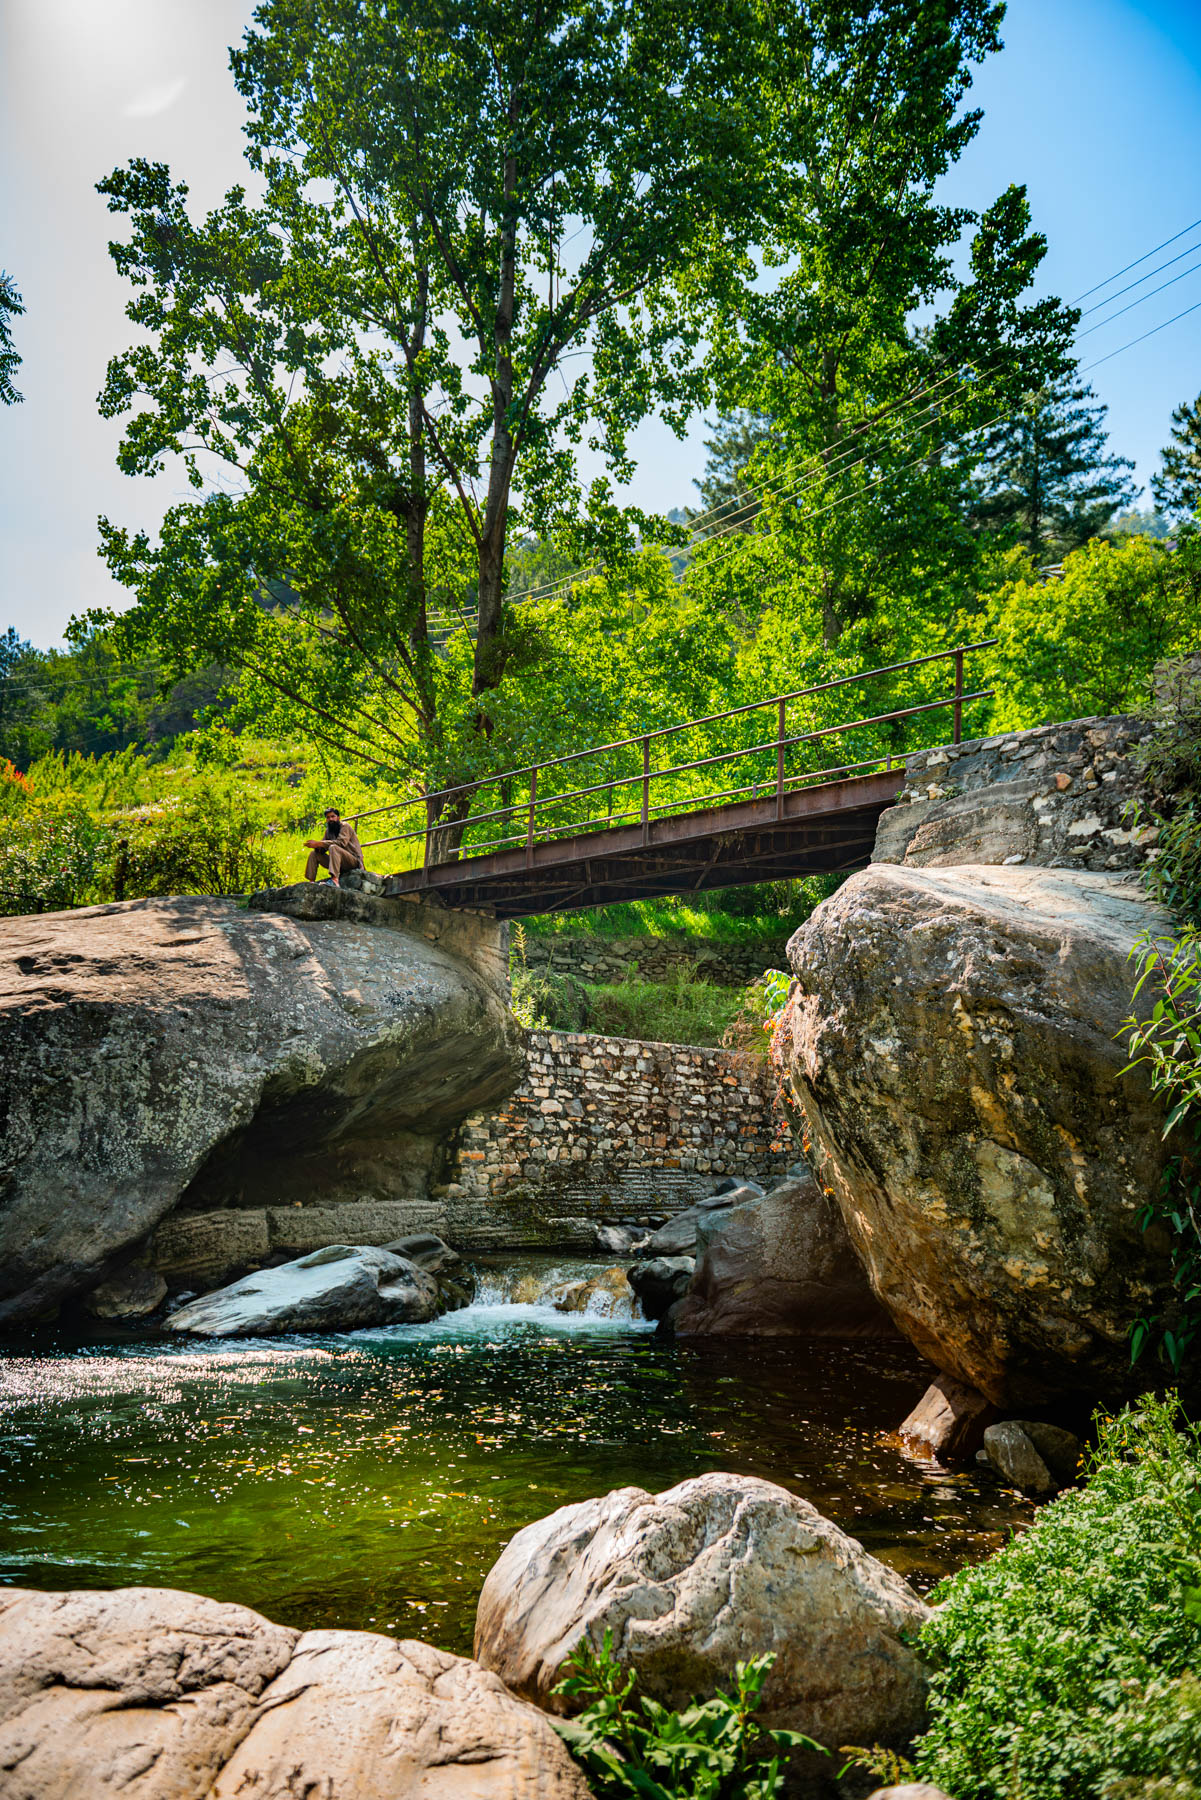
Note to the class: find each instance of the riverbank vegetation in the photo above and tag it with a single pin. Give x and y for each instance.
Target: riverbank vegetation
(1066, 1664)
(1164, 1035)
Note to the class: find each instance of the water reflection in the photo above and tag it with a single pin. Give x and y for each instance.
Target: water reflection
(371, 1480)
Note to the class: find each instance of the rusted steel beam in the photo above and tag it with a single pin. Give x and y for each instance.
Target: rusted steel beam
(823, 829)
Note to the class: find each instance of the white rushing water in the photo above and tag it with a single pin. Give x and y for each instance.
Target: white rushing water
(572, 1296)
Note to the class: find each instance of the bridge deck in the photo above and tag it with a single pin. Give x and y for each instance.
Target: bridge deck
(808, 831)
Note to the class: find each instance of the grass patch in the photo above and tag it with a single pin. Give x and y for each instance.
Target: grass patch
(765, 913)
(685, 1009)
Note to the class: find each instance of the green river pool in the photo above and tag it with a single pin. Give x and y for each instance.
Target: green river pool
(371, 1480)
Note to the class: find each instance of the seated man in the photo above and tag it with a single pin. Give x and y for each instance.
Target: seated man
(339, 849)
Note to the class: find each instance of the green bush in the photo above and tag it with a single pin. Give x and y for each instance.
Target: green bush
(211, 844)
(57, 855)
(50, 859)
(1064, 1664)
(1166, 1038)
(631, 1745)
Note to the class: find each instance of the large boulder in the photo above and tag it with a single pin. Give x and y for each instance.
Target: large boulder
(694, 1580)
(779, 1264)
(159, 1695)
(342, 1288)
(678, 1236)
(954, 1039)
(239, 1060)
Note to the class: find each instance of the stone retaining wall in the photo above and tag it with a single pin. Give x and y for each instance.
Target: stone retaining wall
(1056, 797)
(595, 959)
(608, 1128)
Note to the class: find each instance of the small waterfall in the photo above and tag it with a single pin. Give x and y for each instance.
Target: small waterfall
(588, 1289)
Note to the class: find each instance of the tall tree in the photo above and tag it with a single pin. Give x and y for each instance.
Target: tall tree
(484, 231)
(1177, 486)
(870, 354)
(729, 499)
(1046, 479)
(11, 306)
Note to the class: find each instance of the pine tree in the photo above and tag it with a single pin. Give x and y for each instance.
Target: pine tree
(1177, 487)
(10, 360)
(724, 489)
(1044, 477)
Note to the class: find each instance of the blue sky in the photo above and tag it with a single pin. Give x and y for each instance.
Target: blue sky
(1094, 104)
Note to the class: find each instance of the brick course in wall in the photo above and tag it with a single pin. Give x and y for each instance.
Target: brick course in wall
(609, 1128)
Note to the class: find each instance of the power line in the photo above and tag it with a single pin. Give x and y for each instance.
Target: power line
(816, 463)
(1190, 251)
(565, 583)
(1101, 323)
(1134, 265)
(1139, 340)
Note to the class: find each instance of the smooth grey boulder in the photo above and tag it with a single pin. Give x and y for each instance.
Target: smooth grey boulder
(678, 1236)
(954, 1040)
(689, 1582)
(252, 1061)
(660, 1283)
(779, 1265)
(341, 1288)
(130, 1293)
(159, 1695)
(1014, 1456)
(909, 1790)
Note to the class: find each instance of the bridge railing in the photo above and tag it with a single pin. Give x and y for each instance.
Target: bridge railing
(636, 787)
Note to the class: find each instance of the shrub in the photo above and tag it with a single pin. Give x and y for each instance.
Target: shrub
(212, 844)
(753, 1025)
(631, 1745)
(1168, 1041)
(58, 855)
(1064, 1664)
(50, 858)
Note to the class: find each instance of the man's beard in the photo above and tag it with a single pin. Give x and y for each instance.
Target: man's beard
(332, 827)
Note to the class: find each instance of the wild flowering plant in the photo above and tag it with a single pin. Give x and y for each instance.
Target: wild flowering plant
(629, 1744)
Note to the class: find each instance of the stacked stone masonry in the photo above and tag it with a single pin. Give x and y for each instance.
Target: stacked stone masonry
(605, 1129)
(603, 960)
(1059, 796)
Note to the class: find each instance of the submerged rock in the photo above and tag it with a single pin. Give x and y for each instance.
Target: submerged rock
(779, 1264)
(185, 1044)
(130, 1293)
(954, 1038)
(608, 1294)
(691, 1581)
(161, 1695)
(1013, 1455)
(341, 1288)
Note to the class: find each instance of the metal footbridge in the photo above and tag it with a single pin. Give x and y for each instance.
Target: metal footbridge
(652, 824)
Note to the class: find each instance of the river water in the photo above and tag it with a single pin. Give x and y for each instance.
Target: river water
(371, 1480)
